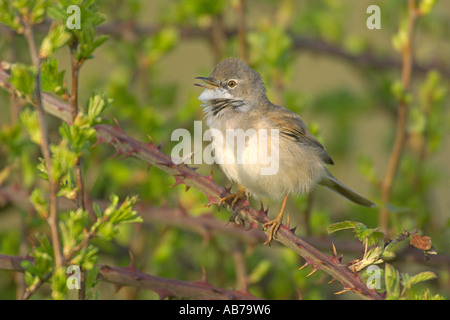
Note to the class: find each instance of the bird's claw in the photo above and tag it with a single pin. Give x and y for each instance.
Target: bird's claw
(242, 194)
(274, 225)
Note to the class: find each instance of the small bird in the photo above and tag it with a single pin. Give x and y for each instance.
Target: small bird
(235, 100)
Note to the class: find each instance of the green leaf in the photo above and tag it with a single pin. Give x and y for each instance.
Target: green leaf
(423, 276)
(63, 159)
(86, 257)
(96, 105)
(39, 202)
(55, 39)
(342, 226)
(114, 216)
(59, 284)
(23, 78)
(29, 120)
(97, 210)
(392, 282)
(52, 79)
(8, 15)
(362, 233)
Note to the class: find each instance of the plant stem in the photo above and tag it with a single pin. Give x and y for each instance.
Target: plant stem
(402, 117)
(241, 30)
(45, 148)
(76, 65)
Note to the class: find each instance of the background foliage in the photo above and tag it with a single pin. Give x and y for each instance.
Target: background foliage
(136, 63)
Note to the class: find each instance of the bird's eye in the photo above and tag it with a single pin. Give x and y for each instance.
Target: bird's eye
(231, 83)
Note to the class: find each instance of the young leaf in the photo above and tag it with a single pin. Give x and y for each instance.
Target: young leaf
(55, 39)
(23, 78)
(342, 226)
(392, 282)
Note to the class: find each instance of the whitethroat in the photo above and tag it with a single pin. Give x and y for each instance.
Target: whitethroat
(235, 103)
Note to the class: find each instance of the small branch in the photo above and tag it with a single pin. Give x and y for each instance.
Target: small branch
(76, 65)
(365, 59)
(207, 226)
(45, 147)
(217, 38)
(130, 276)
(241, 29)
(402, 117)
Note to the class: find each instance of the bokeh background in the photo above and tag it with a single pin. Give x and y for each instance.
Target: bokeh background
(318, 59)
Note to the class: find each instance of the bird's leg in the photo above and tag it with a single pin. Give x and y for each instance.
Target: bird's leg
(240, 195)
(275, 224)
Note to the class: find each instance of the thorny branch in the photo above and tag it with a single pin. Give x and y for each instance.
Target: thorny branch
(208, 226)
(130, 276)
(183, 174)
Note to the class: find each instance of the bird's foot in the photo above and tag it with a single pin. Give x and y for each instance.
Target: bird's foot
(274, 225)
(242, 194)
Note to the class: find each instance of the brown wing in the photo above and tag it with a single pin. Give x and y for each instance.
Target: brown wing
(292, 126)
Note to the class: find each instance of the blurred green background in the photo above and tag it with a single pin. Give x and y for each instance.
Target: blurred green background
(317, 58)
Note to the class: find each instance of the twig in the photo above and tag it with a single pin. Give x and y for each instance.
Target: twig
(241, 29)
(76, 65)
(402, 117)
(45, 146)
(217, 37)
(130, 276)
(365, 59)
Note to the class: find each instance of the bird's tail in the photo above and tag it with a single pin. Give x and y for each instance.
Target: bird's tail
(334, 184)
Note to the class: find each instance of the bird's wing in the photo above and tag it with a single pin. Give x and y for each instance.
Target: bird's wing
(291, 126)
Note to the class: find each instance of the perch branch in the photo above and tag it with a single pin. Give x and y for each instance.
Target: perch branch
(183, 174)
(207, 226)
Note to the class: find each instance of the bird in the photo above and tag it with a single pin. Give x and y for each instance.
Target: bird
(234, 100)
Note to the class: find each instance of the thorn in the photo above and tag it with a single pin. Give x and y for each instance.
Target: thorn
(303, 266)
(118, 153)
(164, 293)
(149, 166)
(99, 141)
(151, 143)
(159, 146)
(210, 177)
(117, 124)
(314, 270)
(178, 180)
(262, 205)
(293, 230)
(343, 291)
(117, 288)
(211, 200)
(187, 187)
(204, 277)
(354, 270)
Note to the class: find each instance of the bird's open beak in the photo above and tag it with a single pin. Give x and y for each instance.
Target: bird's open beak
(210, 83)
